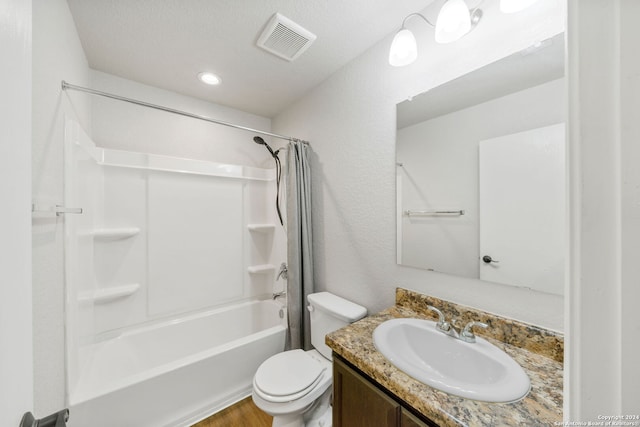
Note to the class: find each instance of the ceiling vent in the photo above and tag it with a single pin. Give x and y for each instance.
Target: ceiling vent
(285, 38)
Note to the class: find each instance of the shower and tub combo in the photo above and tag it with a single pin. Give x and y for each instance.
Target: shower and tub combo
(171, 269)
(176, 372)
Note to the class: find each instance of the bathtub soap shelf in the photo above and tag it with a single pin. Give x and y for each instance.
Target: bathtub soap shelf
(261, 269)
(114, 233)
(261, 228)
(107, 295)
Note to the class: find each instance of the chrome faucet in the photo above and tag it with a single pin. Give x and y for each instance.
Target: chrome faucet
(443, 325)
(446, 328)
(284, 273)
(277, 295)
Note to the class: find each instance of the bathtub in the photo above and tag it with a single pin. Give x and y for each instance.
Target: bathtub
(178, 372)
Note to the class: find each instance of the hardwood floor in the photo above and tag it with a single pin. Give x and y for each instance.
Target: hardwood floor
(241, 414)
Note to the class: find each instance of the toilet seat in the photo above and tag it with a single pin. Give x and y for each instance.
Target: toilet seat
(287, 376)
(286, 398)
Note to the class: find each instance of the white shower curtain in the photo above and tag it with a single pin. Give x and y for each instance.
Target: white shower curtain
(299, 245)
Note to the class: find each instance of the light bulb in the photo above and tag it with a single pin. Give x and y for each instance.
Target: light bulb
(454, 21)
(513, 6)
(404, 49)
(209, 78)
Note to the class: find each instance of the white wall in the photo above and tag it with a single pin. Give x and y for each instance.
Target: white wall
(603, 316)
(350, 121)
(16, 371)
(125, 126)
(57, 56)
(441, 168)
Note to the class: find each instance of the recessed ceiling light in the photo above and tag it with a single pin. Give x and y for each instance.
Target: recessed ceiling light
(209, 78)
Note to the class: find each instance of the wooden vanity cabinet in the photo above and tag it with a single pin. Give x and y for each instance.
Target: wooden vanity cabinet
(407, 419)
(358, 402)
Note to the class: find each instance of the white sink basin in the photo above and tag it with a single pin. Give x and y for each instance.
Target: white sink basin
(479, 371)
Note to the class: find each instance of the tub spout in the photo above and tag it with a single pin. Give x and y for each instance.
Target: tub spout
(277, 295)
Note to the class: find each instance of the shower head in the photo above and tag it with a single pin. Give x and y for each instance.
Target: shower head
(258, 140)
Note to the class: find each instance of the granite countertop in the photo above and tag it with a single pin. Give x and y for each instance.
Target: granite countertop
(538, 351)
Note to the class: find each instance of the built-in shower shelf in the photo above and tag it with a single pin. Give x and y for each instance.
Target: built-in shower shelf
(262, 228)
(261, 269)
(107, 295)
(114, 233)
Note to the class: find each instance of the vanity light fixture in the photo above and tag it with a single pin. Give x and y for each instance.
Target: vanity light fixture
(513, 6)
(404, 49)
(454, 21)
(209, 78)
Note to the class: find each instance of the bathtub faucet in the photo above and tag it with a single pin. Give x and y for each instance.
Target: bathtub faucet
(277, 295)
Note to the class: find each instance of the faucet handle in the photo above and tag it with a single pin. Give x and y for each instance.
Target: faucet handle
(467, 335)
(283, 272)
(442, 324)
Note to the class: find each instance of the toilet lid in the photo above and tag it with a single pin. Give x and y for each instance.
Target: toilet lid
(288, 373)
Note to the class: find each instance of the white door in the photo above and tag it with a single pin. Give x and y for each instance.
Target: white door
(522, 209)
(16, 372)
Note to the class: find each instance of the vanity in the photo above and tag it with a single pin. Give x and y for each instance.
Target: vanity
(370, 391)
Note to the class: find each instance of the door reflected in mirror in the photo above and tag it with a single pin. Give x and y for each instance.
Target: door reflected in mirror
(481, 173)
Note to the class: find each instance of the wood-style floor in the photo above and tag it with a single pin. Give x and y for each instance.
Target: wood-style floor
(242, 414)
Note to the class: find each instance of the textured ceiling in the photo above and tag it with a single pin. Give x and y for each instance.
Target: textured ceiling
(166, 43)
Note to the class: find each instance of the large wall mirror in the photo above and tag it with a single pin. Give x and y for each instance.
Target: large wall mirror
(481, 173)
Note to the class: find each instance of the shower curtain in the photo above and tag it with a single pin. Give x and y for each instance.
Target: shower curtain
(299, 245)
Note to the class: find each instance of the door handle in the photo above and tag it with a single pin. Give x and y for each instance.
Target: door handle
(59, 419)
(488, 260)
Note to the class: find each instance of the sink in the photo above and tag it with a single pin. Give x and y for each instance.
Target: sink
(479, 371)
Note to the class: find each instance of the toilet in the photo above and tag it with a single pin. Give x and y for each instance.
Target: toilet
(295, 386)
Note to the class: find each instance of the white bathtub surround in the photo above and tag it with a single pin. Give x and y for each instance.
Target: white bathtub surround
(175, 373)
(161, 305)
(163, 235)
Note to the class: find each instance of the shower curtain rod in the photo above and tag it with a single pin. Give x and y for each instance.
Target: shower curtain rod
(66, 86)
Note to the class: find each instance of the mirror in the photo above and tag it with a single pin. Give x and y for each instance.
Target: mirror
(480, 169)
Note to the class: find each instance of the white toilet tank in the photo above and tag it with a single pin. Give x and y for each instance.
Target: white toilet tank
(329, 313)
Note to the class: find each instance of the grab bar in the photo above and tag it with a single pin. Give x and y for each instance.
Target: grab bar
(433, 212)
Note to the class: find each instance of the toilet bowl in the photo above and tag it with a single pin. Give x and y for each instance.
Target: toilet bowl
(287, 396)
(295, 386)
